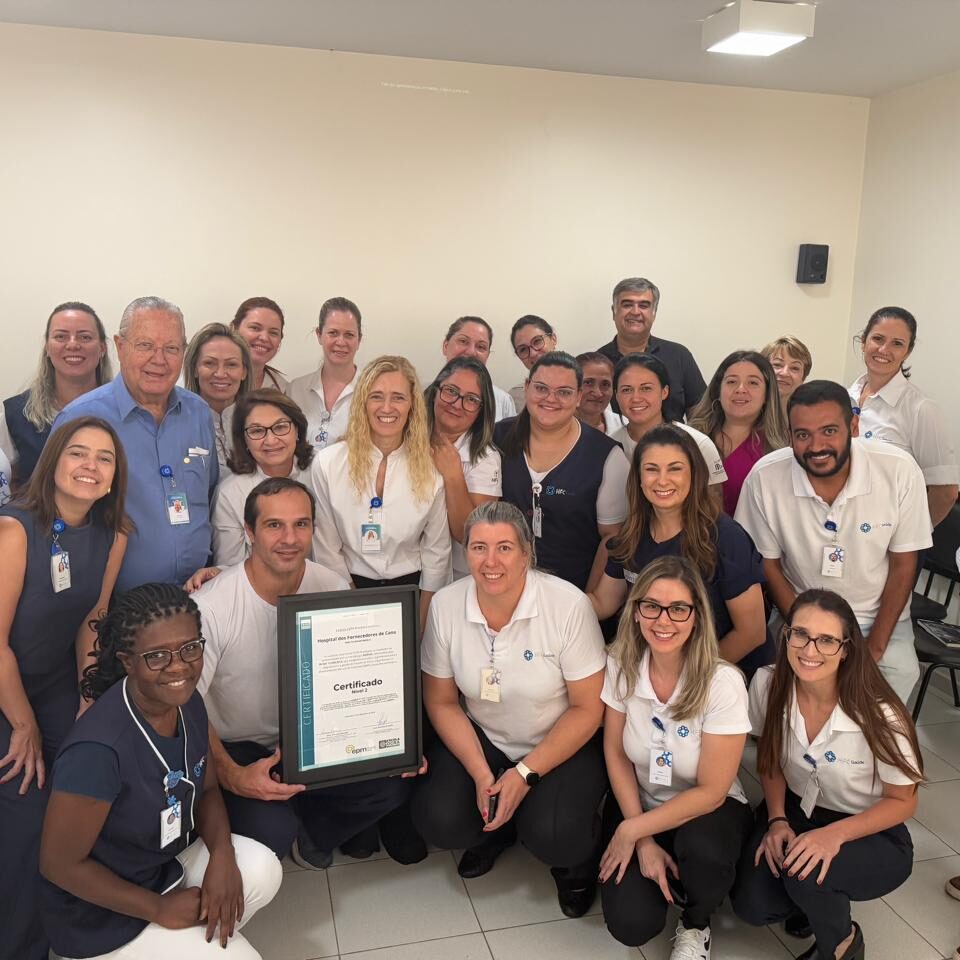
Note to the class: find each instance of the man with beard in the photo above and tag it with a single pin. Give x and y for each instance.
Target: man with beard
(841, 514)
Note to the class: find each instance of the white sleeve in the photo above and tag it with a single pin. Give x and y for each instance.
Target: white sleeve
(213, 648)
(6, 441)
(749, 514)
(712, 458)
(229, 536)
(505, 405)
(436, 548)
(484, 476)
(435, 658)
(726, 711)
(932, 446)
(886, 771)
(327, 545)
(759, 692)
(610, 694)
(583, 653)
(612, 495)
(914, 531)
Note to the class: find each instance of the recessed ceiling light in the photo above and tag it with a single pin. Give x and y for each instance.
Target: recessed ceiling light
(757, 28)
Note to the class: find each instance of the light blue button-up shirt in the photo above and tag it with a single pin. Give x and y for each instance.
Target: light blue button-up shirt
(159, 551)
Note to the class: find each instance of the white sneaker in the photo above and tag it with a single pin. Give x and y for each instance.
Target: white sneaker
(690, 944)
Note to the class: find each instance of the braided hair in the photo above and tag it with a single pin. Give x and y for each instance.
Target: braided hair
(117, 630)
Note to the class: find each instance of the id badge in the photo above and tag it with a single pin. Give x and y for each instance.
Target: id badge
(490, 684)
(60, 571)
(177, 510)
(371, 540)
(811, 793)
(832, 565)
(171, 824)
(661, 766)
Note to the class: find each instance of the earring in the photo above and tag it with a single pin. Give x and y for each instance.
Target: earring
(109, 489)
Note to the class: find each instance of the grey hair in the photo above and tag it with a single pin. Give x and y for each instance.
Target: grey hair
(500, 511)
(637, 285)
(150, 303)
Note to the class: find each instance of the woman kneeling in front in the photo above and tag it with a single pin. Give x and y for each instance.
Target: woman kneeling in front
(126, 876)
(522, 756)
(839, 762)
(674, 730)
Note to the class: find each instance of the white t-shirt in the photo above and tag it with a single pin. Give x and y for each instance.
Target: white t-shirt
(553, 637)
(324, 427)
(504, 404)
(882, 508)
(482, 477)
(725, 713)
(900, 414)
(239, 679)
(5, 493)
(612, 421)
(414, 533)
(708, 449)
(230, 543)
(844, 763)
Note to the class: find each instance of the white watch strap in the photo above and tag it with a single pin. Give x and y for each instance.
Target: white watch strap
(523, 770)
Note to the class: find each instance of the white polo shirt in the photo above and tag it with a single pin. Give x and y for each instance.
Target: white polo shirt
(708, 449)
(482, 477)
(223, 428)
(844, 763)
(882, 508)
(900, 414)
(725, 713)
(275, 380)
(553, 637)
(230, 543)
(324, 427)
(504, 404)
(414, 533)
(239, 678)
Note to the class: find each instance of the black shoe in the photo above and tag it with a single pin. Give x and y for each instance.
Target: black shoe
(479, 860)
(365, 844)
(575, 895)
(305, 853)
(855, 951)
(400, 838)
(797, 925)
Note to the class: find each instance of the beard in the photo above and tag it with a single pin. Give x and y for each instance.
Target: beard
(840, 461)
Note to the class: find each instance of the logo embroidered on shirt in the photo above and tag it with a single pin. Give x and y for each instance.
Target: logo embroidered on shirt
(830, 756)
(528, 655)
(865, 528)
(683, 731)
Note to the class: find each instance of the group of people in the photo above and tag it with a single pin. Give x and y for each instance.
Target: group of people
(601, 577)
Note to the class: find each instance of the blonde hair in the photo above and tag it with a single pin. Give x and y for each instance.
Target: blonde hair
(701, 654)
(793, 348)
(416, 433)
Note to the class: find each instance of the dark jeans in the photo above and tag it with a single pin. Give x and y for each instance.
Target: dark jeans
(705, 851)
(864, 869)
(557, 820)
(330, 815)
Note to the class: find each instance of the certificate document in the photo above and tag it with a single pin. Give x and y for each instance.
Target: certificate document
(351, 684)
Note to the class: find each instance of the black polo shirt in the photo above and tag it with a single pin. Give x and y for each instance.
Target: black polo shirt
(686, 382)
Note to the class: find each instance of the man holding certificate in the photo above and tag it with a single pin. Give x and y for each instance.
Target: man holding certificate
(239, 685)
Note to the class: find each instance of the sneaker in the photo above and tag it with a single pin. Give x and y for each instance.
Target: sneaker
(304, 853)
(953, 887)
(690, 944)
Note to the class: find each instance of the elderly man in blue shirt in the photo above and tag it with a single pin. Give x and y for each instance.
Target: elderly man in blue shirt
(168, 435)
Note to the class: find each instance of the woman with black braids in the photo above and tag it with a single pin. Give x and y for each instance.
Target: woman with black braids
(136, 852)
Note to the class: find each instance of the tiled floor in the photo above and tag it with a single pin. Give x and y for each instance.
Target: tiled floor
(378, 910)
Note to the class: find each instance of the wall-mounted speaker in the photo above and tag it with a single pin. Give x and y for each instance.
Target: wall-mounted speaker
(812, 263)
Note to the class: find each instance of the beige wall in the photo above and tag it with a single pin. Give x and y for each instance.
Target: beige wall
(909, 250)
(208, 172)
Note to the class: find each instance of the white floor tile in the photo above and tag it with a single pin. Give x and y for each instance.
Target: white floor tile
(939, 811)
(937, 710)
(559, 940)
(732, 940)
(889, 937)
(379, 903)
(922, 903)
(793, 945)
(470, 947)
(926, 845)
(297, 925)
(943, 739)
(935, 768)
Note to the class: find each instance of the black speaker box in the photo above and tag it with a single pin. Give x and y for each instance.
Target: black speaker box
(812, 263)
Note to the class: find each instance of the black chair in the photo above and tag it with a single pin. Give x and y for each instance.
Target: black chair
(940, 561)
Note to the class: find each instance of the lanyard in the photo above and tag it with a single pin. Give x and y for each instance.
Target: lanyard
(658, 736)
(58, 527)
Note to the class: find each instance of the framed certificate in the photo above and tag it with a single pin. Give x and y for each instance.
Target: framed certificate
(350, 701)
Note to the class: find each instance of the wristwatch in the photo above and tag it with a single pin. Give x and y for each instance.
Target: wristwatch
(530, 778)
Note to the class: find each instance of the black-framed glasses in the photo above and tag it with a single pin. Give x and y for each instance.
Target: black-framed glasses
(677, 612)
(188, 652)
(279, 429)
(829, 646)
(536, 344)
(470, 402)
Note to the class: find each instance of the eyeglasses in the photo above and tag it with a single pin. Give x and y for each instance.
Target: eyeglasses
(677, 612)
(279, 429)
(829, 646)
(146, 348)
(541, 391)
(191, 651)
(536, 345)
(469, 401)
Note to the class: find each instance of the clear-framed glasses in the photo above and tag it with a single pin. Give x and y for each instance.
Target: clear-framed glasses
(170, 351)
(470, 402)
(188, 652)
(829, 646)
(257, 431)
(564, 394)
(677, 612)
(536, 345)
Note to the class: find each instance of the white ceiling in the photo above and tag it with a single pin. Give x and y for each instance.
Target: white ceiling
(861, 47)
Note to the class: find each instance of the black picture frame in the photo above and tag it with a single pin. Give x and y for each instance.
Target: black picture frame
(292, 662)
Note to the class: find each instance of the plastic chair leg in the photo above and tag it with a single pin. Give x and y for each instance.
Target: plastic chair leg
(922, 692)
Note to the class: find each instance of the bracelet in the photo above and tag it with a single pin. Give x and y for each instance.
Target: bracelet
(774, 820)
